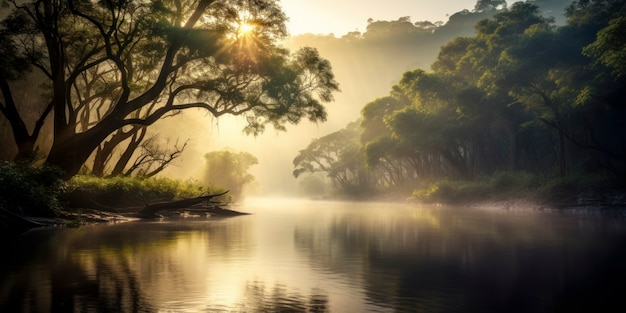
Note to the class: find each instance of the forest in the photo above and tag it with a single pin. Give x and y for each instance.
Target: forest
(516, 103)
(476, 165)
(522, 102)
(83, 82)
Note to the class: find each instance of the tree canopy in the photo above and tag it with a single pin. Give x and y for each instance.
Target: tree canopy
(115, 67)
(522, 94)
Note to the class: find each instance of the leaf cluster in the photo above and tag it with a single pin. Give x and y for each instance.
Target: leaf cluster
(30, 191)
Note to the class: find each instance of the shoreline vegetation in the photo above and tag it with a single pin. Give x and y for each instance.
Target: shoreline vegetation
(520, 112)
(36, 196)
(32, 197)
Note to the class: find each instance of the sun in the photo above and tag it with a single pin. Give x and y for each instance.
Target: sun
(244, 29)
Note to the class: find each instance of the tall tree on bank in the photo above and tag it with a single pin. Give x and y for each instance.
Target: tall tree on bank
(146, 60)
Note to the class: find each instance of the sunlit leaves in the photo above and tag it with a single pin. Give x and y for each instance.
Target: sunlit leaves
(610, 46)
(114, 64)
(372, 117)
(293, 88)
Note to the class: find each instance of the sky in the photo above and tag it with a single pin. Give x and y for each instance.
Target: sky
(342, 16)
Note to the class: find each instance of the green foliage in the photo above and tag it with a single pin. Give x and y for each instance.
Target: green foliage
(136, 62)
(520, 96)
(610, 46)
(230, 170)
(501, 185)
(128, 191)
(30, 191)
(561, 189)
(510, 185)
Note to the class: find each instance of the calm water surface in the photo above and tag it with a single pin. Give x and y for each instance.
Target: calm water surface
(315, 256)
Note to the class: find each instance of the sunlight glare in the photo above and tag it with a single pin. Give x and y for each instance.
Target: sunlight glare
(245, 28)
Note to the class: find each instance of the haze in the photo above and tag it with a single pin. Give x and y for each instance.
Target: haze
(364, 74)
(341, 17)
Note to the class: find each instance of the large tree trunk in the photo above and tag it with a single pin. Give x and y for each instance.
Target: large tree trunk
(24, 141)
(70, 150)
(105, 151)
(138, 133)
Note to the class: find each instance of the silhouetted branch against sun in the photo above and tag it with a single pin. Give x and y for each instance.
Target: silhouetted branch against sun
(256, 23)
(247, 30)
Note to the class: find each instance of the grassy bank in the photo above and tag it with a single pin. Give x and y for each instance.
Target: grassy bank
(133, 191)
(29, 191)
(555, 191)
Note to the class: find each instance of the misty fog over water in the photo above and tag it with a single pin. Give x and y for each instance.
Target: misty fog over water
(319, 256)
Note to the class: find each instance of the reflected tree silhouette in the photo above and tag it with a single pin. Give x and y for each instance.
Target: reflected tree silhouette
(443, 261)
(117, 268)
(259, 298)
(399, 258)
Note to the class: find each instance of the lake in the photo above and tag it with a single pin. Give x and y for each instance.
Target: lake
(322, 256)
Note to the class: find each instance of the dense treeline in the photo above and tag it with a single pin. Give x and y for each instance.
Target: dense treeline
(521, 95)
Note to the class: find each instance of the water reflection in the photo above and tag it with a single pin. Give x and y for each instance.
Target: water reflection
(429, 259)
(324, 257)
(126, 267)
(258, 298)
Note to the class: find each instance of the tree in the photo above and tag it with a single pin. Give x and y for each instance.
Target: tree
(340, 156)
(112, 65)
(396, 162)
(229, 170)
(609, 49)
(486, 5)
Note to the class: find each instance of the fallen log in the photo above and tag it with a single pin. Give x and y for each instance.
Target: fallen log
(150, 209)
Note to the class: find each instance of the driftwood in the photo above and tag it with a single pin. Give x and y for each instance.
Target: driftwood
(150, 209)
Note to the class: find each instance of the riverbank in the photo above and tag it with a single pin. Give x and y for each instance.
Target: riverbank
(33, 197)
(589, 201)
(14, 225)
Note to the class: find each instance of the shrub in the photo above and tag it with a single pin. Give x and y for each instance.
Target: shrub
(502, 185)
(27, 190)
(130, 191)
